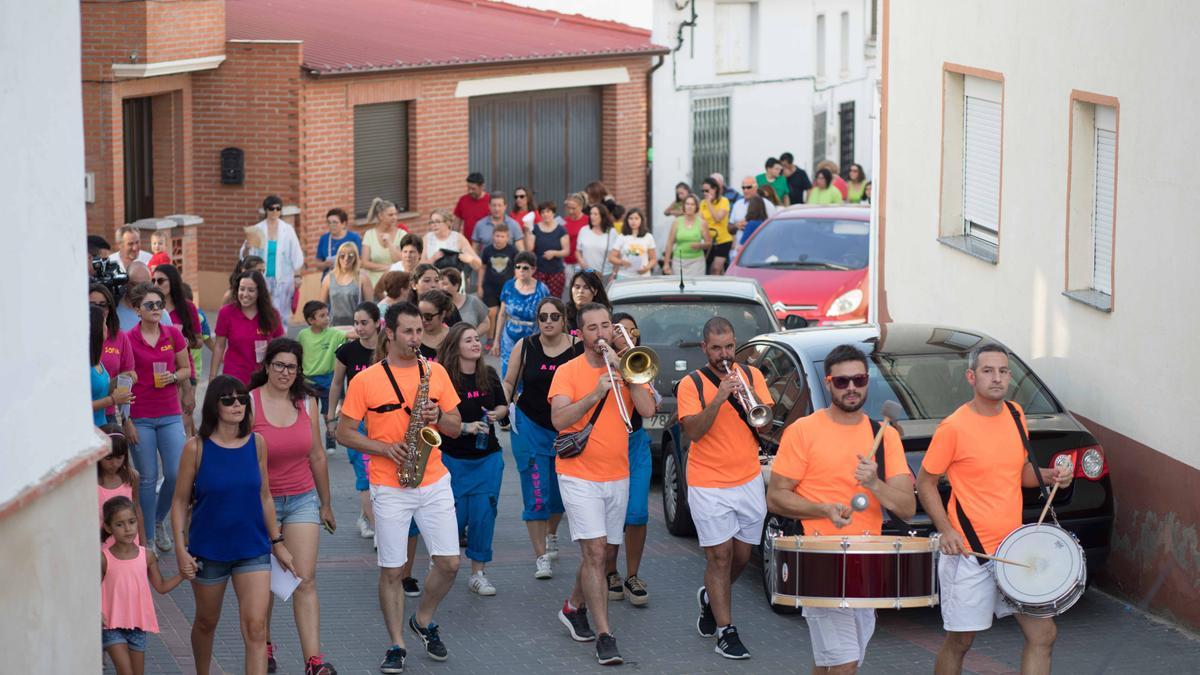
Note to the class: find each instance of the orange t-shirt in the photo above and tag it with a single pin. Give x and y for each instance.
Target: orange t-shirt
(606, 455)
(370, 388)
(823, 456)
(983, 458)
(727, 455)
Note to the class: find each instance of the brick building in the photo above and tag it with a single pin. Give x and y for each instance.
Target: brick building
(332, 104)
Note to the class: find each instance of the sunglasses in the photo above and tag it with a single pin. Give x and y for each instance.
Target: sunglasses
(159, 281)
(430, 316)
(281, 367)
(552, 316)
(228, 400)
(151, 305)
(274, 208)
(749, 187)
(523, 267)
(99, 305)
(843, 381)
(519, 196)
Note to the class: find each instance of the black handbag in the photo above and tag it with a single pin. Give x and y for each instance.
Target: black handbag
(570, 444)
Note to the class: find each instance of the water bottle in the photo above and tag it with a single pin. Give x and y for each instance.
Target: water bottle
(482, 437)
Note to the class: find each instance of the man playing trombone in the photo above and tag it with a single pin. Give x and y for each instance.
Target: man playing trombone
(589, 391)
(721, 408)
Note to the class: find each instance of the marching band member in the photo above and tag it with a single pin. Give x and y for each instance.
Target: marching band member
(981, 449)
(725, 485)
(823, 461)
(595, 482)
(382, 395)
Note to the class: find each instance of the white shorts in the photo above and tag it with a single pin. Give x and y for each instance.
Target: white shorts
(839, 636)
(969, 594)
(721, 514)
(596, 509)
(433, 508)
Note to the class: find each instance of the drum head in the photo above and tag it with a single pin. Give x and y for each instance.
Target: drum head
(1055, 560)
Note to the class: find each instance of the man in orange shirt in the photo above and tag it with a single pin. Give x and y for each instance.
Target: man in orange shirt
(372, 396)
(594, 483)
(823, 461)
(981, 449)
(725, 486)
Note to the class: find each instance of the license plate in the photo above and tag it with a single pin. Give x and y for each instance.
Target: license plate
(658, 421)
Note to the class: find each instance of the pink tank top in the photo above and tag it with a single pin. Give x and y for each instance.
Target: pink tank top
(105, 494)
(125, 596)
(288, 448)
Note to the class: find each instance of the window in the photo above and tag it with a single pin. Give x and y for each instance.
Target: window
(820, 45)
(1091, 199)
(735, 37)
(380, 155)
(846, 124)
(844, 60)
(710, 137)
(819, 122)
(972, 130)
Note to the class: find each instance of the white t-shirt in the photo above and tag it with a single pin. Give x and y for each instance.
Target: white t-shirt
(635, 250)
(143, 256)
(593, 249)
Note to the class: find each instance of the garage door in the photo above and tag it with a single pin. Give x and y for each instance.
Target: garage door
(548, 141)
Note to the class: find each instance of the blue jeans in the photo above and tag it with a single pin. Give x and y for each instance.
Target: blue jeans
(157, 436)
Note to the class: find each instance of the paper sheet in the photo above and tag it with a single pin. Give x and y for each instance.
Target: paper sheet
(283, 582)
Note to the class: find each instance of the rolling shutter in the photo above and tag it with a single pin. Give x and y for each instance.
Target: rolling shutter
(1102, 210)
(981, 168)
(380, 155)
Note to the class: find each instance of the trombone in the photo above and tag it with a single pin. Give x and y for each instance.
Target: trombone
(638, 365)
(757, 414)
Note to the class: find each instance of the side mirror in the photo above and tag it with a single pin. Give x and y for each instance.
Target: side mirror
(794, 321)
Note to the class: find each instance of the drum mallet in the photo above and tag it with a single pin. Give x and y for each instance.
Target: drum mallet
(891, 410)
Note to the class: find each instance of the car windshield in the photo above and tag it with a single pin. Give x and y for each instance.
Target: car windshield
(679, 323)
(931, 386)
(809, 243)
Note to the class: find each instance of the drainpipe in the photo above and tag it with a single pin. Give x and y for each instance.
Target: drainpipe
(650, 132)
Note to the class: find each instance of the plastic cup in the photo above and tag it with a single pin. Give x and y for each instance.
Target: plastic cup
(260, 350)
(160, 374)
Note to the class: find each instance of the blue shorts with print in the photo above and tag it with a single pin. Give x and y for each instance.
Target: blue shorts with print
(302, 508)
(133, 638)
(218, 571)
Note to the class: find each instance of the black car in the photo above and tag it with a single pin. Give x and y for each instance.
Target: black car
(922, 367)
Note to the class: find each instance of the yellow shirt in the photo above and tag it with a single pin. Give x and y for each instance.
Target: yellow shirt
(718, 229)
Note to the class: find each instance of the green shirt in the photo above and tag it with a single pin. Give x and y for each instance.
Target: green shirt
(829, 195)
(686, 235)
(319, 349)
(779, 185)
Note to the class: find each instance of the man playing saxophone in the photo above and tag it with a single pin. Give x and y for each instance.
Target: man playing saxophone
(406, 401)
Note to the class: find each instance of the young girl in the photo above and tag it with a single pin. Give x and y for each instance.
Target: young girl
(127, 571)
(117, 478)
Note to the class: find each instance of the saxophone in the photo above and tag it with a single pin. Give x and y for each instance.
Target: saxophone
(420, 439)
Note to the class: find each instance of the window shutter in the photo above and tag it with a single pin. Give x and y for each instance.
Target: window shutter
(981, 169)
(1102, 210)
(380, 155)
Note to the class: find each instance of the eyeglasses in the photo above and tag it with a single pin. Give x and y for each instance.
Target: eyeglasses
(843, 381)
(159, 281)
(274, 208)
(436, 221)
(228, 400)
(347, 256)
(281, 367)
(430, 316)
(522, 267)
(552, 316)
(103, 304)
(151, 305)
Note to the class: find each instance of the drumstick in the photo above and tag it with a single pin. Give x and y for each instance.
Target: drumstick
(997, 559)
(1049, 500)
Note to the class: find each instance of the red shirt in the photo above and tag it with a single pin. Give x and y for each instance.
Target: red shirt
(117, 358)
(288, 448)
(841, 186)
(471, 211)
(148, 400)
(573, 228)
(240, 334)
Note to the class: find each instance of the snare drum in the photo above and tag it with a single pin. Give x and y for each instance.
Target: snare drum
(860, 572)
(1057, 572)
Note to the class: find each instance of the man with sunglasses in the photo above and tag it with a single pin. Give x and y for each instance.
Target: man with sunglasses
(725, 486)
(382, 395)
(823, 461)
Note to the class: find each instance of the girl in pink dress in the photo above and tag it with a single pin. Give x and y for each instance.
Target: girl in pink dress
(117, 478)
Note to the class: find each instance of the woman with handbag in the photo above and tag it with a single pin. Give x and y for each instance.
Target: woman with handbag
(445, 247)
(527, 383)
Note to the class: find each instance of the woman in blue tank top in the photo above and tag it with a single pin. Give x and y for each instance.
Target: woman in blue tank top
(233, 531)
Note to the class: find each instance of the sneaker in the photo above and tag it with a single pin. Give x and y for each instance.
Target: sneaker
(635, 591)
(162, 538)
(576, 622)
(364, 528)
(479, 584)
(394, 661)
(411, 588)
(434, 646)
(606, 650)
(544, 568)
(616, 589)
(316, 666)
(271, 664)
(552, 546)
(707, 623)
(730, 645)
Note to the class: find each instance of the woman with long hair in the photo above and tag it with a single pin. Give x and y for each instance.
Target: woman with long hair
(549, 241)
(635, 254)
(596, 241)
(532, 365)
(244, 328)
(823, 191)
(856, 183)
(586, 286)
(474, 459)
(675, 209)
(429, 278)
(186, 318)
(518, 306)
(346, 286)
(756, 214)
(688, 240)
(350, 359)
(101, 382)
(250, 263)
(393, 287)
(523, 210)
(574, 222)
(714, 210)
(116, 354)
(435, 306)
(286, 413)
(379, 249)
(233, 531)
(275, 241)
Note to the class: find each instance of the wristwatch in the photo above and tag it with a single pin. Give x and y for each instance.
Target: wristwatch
(277, 540)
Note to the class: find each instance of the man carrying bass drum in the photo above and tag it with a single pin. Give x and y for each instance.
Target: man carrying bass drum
(980, 448)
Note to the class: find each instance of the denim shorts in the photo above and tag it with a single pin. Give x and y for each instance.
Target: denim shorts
(302, 508)
(217, 571)
(133, 638)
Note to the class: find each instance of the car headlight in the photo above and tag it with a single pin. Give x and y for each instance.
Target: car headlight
(846, 302)
(1092, 463)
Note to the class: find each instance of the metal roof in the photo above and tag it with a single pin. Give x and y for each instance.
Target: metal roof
(353, 36)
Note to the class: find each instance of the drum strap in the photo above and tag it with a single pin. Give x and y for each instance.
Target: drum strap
(880, 467)
(969, 530)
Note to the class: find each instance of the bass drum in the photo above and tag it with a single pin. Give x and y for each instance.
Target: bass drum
(774, 528)
(1056, 576)
(880, 572)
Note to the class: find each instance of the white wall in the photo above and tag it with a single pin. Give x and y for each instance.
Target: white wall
(1135, 370)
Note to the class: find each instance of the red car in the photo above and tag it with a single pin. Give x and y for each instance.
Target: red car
(813, 263)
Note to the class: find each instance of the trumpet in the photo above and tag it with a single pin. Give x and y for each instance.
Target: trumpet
(757, 414)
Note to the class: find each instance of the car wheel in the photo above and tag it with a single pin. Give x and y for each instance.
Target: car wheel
(675, 507)
(774, 526)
